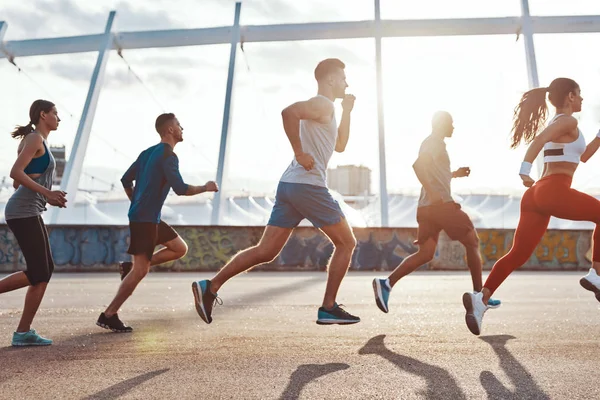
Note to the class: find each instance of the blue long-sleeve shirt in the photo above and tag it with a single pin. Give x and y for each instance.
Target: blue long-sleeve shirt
(155, 172)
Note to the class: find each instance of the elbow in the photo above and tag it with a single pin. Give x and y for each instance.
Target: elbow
(180, 190)
(340, 148)
(14, 174)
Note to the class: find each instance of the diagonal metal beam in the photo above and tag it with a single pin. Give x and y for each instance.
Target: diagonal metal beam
(70, 180)
(308, 31)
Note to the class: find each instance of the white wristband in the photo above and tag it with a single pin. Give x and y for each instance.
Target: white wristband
(525, 168)
(598, 134)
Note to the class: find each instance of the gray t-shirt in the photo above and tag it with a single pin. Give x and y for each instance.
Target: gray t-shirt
(439, 170)
(318, 140)
(25, 202)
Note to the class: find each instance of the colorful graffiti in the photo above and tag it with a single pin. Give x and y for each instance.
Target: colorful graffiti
(100, 248)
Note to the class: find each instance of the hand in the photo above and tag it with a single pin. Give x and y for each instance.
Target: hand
(57, 198)
(211, 186)
(348, 102)
(306, 160)
(527, 180)
(462, 172)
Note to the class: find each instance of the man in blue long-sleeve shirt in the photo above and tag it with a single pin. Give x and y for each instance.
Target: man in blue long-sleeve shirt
(155, 172)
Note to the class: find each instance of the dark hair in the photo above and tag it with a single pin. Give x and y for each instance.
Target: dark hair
(34, 118)
(326, 67)
(161, 120)
(532, 110)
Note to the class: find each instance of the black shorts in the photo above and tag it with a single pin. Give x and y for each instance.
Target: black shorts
(32, 236)
(145, 236)
(447, 217)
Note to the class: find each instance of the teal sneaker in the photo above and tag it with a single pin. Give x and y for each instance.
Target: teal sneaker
(335, 315)
(382, 289)
(30, 338)
(204, 300)
(494, 303)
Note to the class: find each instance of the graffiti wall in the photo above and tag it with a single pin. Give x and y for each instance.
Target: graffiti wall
(91, 248)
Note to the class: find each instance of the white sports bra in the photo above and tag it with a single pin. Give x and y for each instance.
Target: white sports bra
(561, 152)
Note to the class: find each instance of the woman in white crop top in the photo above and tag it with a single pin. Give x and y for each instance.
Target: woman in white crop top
(552, 196)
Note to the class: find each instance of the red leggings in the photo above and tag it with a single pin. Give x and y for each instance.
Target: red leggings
(550, 196)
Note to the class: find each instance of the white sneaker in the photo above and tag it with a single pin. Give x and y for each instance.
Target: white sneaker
(475, 308)
(591, 282)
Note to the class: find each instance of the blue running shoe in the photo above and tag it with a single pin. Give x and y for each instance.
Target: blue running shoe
(335, 315)
(30, 338)
(382, 290)
(493, 303)
(204, 299)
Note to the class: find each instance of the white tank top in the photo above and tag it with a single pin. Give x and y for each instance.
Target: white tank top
(561, 152)
(318, 140)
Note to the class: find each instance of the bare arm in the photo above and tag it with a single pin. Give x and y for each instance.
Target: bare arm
(316, 109)
(344, 128)
(421, 168)
(550, 134)
(32, 143)
(591, 148)
(171, 168)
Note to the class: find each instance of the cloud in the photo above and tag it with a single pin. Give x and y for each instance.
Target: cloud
(65, 17)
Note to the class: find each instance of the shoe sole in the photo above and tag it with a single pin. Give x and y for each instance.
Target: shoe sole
(29, 344)
(587, 285)
(198, 302)
(378, 295)
(469, 316)
(101, 325)
(336, 322)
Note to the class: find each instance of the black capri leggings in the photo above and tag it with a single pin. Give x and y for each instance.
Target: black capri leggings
(32, 236)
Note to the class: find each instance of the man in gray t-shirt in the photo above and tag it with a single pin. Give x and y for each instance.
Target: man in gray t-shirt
(437, 211)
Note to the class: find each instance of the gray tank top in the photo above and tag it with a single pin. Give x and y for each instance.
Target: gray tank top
(318, 140)
(25, 202)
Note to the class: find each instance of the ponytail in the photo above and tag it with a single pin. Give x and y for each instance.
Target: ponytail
(35, 111)
(21, 131)
(529, 115)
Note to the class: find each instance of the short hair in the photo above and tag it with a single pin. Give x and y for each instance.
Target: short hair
(326, 67)
(440, 118)
(162, 120)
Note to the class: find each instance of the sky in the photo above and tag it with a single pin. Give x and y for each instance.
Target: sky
(479, 79)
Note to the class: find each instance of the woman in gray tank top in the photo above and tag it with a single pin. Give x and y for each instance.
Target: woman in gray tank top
(32, 173)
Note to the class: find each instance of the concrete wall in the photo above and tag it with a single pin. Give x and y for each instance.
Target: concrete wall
(98, 248)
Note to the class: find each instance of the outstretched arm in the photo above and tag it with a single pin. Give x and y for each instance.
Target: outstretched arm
(173, 176)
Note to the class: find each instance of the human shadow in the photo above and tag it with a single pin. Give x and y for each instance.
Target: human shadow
(522, 380)
(440, 384)
(122, 388)
(307, 373)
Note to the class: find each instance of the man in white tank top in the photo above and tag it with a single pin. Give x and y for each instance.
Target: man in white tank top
(302, 193)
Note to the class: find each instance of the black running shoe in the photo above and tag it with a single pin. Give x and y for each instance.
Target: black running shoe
(204, 299)
(124, 268)
(336, 315)
(113, 323)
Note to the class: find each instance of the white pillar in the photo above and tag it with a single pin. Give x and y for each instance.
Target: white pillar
(70, 179)
(223, 150)
(383, 194)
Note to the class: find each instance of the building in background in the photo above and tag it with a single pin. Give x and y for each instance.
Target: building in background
(59, 155)
(350, 180)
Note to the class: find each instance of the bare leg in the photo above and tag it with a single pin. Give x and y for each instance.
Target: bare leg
(141, 266)
(174, 250)
(471, 243)
(14, 281)
(33, 298)
(344, 241)
(411, 263)
(271, 243)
